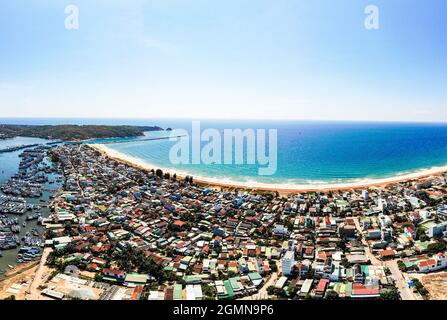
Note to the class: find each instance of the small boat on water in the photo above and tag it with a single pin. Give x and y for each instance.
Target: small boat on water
(10, 267)
(24, 224)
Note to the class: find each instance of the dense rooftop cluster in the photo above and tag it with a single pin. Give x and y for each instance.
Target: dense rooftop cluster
(148, 235)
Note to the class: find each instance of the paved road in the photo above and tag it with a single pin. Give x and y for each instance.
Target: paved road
(401, 283)
(368, 252)
(262, 293)
(40, 277)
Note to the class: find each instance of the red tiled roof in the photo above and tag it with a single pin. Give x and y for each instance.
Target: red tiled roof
(359, 289)
(113, 271)
(385, 253)
(321, 287)
(427, 263)
(178, 223)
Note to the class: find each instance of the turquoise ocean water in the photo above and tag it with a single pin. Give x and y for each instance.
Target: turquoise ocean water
(309, 152)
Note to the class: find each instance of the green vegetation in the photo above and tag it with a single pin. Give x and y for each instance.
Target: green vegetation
(273, 266)
(331, 295)
(401, 265)
(419, 287)
(208, 291)
(135, 259)
(74, 132)
(273, 291)
(390, 294)
(421, 234)
(439, 246)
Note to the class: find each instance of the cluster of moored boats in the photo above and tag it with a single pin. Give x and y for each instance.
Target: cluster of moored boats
(10, 227)
(28, 182)
(17, 148)
(32, 174)
(8, 240)
(28, 254)
(10, 204)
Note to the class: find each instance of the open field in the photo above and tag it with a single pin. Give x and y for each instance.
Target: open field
(436, 285)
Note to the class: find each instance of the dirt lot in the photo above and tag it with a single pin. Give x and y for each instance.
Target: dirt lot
(435, 284)
(17, 281)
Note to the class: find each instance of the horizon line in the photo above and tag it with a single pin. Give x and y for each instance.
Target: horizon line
(228, 118)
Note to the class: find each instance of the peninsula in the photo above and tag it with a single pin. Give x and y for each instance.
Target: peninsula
(74, 132)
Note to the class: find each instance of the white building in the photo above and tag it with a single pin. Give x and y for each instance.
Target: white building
(194, 292)
(288, 261)
(436, 263)
(365, 194)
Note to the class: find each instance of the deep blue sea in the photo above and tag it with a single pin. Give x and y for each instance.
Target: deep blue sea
(308, 152)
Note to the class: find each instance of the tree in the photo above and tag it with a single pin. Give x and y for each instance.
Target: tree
(401, 265)
(421, 235)
(292, 290)
(274, 291)
(98, 277)
(390, 294)
(419, 287)
(331, 295)
(209, 291)
(159, 173)
(273, 266)
(436, 247)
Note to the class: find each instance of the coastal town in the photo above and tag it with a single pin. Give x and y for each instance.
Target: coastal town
(120, 232)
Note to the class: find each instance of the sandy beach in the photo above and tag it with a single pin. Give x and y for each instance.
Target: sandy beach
(281, 188)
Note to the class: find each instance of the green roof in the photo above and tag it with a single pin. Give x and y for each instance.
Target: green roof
(178, 292)
(234, 282)
(428, 224)
(136, 278)
(365, 270)
(254, 276)
(193, 278)
(230, 292)
(422, 245)
(348, 273)
(348, 289)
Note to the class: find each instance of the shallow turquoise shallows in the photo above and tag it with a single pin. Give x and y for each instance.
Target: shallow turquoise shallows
(318, 152)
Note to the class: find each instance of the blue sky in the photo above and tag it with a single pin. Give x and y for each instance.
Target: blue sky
(262, 59)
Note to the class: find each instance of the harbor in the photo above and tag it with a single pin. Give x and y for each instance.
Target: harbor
(27, 185)
(17, 148)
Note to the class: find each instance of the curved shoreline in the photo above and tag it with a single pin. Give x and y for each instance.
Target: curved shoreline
(281, 188)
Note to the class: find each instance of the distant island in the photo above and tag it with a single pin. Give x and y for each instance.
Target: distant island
(74, 132)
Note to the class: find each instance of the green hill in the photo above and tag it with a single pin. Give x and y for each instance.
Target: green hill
(74, 132)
